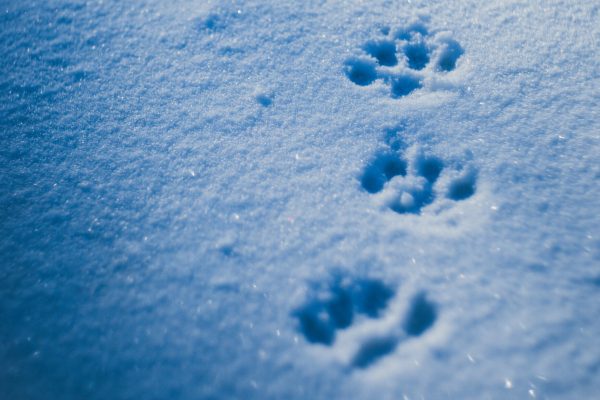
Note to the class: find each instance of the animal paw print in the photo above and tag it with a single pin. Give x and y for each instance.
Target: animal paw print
(407, 188)
(404, 60)
(337, 306)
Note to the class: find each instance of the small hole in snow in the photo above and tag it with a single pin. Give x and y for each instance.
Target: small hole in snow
(383, 51)
(404, 85)
(211, 22)
(462, 188)
(264, 100)
(413, 30)
(449, 56)
(380, 170)
(417, 55)
(430, 168)
(411, 202)
(372, 296)
(315, 325)
(421, 316)
(340, 307)
(361, 72)
(374, 349)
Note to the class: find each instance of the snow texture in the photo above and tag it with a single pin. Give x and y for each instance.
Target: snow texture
(315, 199)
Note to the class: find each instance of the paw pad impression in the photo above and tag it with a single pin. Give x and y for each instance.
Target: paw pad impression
(407, 187)
(404, 59)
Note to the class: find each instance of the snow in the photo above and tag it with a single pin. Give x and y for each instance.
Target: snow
(250, 199)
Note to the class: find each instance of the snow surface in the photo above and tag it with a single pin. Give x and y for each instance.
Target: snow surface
(300, 200)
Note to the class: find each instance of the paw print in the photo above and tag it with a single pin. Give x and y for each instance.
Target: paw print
(405, 59)
(406, 182)
(336, 305)
(341, 303)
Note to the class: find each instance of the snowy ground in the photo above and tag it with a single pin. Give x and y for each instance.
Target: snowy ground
(299, 200)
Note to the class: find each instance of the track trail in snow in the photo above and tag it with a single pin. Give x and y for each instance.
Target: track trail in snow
(403, 178)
